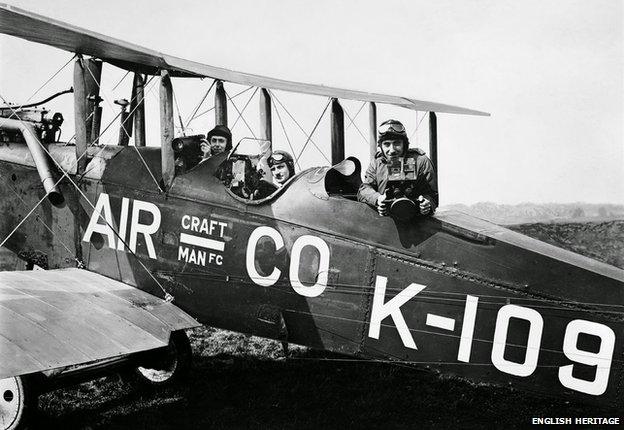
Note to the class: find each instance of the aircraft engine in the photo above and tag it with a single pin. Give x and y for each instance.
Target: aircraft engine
(46, 124)
(36, 129)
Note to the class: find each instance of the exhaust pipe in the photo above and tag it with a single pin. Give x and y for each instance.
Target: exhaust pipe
(42, 163)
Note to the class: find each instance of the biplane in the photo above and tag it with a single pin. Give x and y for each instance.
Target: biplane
(135, 252)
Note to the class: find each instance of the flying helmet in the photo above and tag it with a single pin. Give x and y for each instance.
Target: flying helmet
(391, 129)
(280, 156)
(223, 131)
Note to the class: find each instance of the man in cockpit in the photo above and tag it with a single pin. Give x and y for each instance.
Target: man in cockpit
(282, 167)
(393, 145)
(218, 140)
(192, 150)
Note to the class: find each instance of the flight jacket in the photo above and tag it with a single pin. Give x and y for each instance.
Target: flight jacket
(376, 178)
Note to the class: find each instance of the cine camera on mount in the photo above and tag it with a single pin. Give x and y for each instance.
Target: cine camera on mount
(243, 173)
(187, 149)
(404, 188)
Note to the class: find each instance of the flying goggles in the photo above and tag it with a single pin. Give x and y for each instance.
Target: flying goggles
(391, 127)
(278, 157)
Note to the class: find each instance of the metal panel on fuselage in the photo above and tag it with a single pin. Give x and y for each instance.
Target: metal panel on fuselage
(47, 236)
(314, 266)
(222, 289)
(468, 325)
(198, 249)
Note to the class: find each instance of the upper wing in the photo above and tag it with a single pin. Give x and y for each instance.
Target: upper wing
(56, 318)
(36, 28)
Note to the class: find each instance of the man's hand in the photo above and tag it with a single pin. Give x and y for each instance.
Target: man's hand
(204, 146)
(424, 205)
(383, 206)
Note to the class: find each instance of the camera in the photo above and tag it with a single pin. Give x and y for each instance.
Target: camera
(404, 187)
(187, 150)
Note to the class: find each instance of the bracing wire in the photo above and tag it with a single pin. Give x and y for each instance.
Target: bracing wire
(201, 102)
(418, 125)
(175, 100)
(38, 219)
(123, 126)
(121, 80)
(299, 125)
(16, 108)
(279, 117)
(329, 100)
(240, 114)
(168, 297)
(351, 121)
(212, 108)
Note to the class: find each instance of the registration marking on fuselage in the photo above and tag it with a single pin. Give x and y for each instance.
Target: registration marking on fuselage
(440, 322)
(204, 242)
(190, 247)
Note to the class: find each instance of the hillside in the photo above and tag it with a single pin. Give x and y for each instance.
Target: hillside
(524, 213)
(602, 241)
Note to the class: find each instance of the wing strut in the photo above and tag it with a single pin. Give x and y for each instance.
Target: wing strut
(137, 109)
(372, 122)
(337, 133)
(166, 129)
(266, 119)
(221, 114)
(433, 143)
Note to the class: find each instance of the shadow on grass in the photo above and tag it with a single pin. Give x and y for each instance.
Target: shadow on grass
(309, 390)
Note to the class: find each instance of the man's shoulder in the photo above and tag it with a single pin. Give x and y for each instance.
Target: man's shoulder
(376, 162)
(419, 155)
(416, 151)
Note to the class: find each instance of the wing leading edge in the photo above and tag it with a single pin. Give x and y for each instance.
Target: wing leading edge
(40, 29)
(51, 319)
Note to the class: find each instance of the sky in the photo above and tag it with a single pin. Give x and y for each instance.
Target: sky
(551, 73)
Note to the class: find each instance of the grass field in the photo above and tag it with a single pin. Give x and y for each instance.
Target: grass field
(242, 381)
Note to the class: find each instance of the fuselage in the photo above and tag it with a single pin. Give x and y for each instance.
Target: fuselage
(448, 291)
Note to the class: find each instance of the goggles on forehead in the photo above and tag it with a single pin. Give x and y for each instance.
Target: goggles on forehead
(276, 159)
(391, 127)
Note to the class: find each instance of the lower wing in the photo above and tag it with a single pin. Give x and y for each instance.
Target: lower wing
(51, 319)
